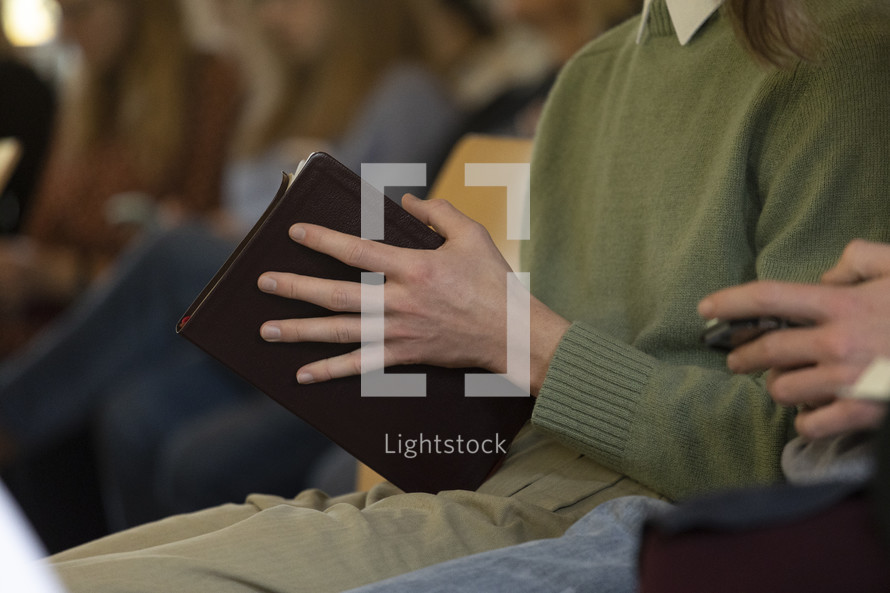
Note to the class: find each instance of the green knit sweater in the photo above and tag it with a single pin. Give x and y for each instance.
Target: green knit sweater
(662, 173)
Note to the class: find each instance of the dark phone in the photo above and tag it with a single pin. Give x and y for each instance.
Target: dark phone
(727, 334)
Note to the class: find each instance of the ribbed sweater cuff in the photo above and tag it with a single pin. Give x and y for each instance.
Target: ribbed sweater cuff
(591, 393)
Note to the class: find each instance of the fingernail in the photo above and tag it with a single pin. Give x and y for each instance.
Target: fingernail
(705, 308)
(268, 284)
(297, 233)
(305, 378)
(270, 332)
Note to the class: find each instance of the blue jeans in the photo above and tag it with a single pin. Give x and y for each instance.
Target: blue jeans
(120, 329)
(597, 554)
(176, 431)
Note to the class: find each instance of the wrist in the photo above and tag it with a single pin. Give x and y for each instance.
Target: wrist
(547, 331)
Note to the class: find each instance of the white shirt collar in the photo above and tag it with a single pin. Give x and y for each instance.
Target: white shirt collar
(687, 16)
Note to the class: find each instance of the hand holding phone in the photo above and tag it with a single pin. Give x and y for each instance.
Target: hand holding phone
(727, 334)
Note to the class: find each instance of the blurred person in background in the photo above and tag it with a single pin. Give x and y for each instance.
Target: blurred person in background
(564, 26)
(144, 124)
(146, 116)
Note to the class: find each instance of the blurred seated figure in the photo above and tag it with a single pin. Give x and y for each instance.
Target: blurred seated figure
(565, 26)
(142, 133)
(27, 107)
(161, 404)
(450, 60)
(144, 123)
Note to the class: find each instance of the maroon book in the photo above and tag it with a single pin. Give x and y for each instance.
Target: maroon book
(442, 441)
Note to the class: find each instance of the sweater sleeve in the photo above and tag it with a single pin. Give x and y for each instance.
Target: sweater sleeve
(680, 429)
(820, 145)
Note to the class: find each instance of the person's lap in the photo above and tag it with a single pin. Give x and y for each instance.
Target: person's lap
(121, 328)
(315, 543)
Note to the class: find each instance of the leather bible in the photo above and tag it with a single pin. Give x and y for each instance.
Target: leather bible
(442, 441)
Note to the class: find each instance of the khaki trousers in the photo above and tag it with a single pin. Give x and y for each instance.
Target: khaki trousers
(319, 544)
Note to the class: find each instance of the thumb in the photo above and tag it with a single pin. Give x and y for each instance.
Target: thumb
(861, 260)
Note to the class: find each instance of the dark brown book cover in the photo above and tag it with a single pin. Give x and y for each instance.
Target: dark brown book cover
(455, 441)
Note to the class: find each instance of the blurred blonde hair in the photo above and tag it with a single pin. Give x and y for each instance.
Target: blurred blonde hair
(143, 99)
(318, 99)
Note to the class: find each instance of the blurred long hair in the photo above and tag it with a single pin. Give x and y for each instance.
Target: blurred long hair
(777, 32)
(318, 98)
(142, 99)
